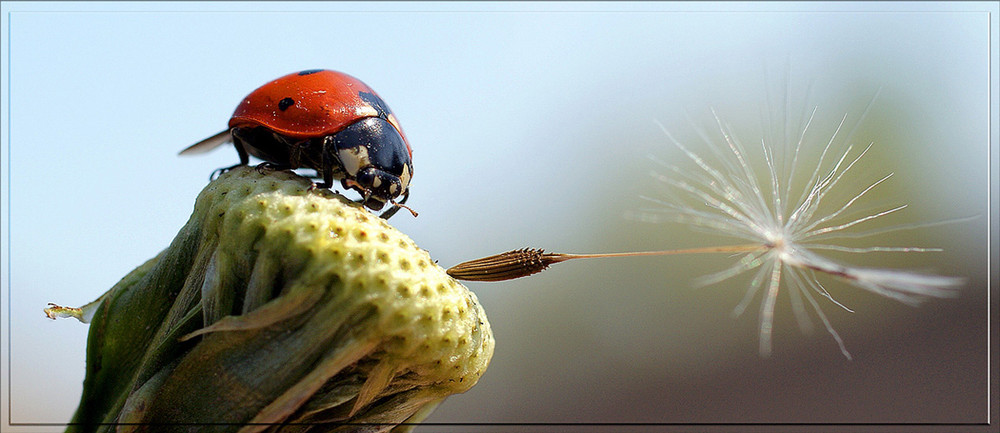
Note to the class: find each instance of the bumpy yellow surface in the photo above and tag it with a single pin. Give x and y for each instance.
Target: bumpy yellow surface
(278, 303)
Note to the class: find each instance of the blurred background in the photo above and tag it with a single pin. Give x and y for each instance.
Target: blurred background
(531, 125)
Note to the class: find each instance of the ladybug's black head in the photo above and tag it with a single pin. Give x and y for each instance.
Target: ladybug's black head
(375, 159)
(378, 186)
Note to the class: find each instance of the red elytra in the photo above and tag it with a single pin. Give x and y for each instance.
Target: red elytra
(323, 102)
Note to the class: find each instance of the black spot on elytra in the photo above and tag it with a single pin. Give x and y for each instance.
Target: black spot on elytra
(309, 71)
(285, 103)
(377, 103)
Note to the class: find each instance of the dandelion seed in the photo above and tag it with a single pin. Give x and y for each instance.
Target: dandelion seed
(782, 211)
(788, 223)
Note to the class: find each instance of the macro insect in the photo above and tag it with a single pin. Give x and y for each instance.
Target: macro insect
(327, 121)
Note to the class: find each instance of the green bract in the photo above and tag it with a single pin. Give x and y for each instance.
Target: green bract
(280, 304)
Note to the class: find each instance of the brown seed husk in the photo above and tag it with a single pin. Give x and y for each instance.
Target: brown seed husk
(280, 304)
(505, 266)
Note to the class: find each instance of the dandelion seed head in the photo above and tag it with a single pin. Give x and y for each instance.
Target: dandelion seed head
(790, 207)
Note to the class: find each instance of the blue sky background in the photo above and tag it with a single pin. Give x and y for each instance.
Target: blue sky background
(531, 125)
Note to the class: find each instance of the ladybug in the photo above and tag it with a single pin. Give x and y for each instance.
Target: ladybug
(327, 121)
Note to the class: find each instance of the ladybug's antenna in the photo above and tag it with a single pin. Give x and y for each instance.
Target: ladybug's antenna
(396, 206)
(400, 205)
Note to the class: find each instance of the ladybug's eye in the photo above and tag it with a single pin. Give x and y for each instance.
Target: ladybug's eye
(285, 103)
(367, 177)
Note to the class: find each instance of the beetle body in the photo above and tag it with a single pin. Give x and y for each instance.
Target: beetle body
(327, 121)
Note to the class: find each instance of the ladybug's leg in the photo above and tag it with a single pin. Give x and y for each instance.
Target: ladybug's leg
(326, 163)
(327, 177)
(389, 213)
(295, 153)
(218, 172)
(266, 166)
(244, 157)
